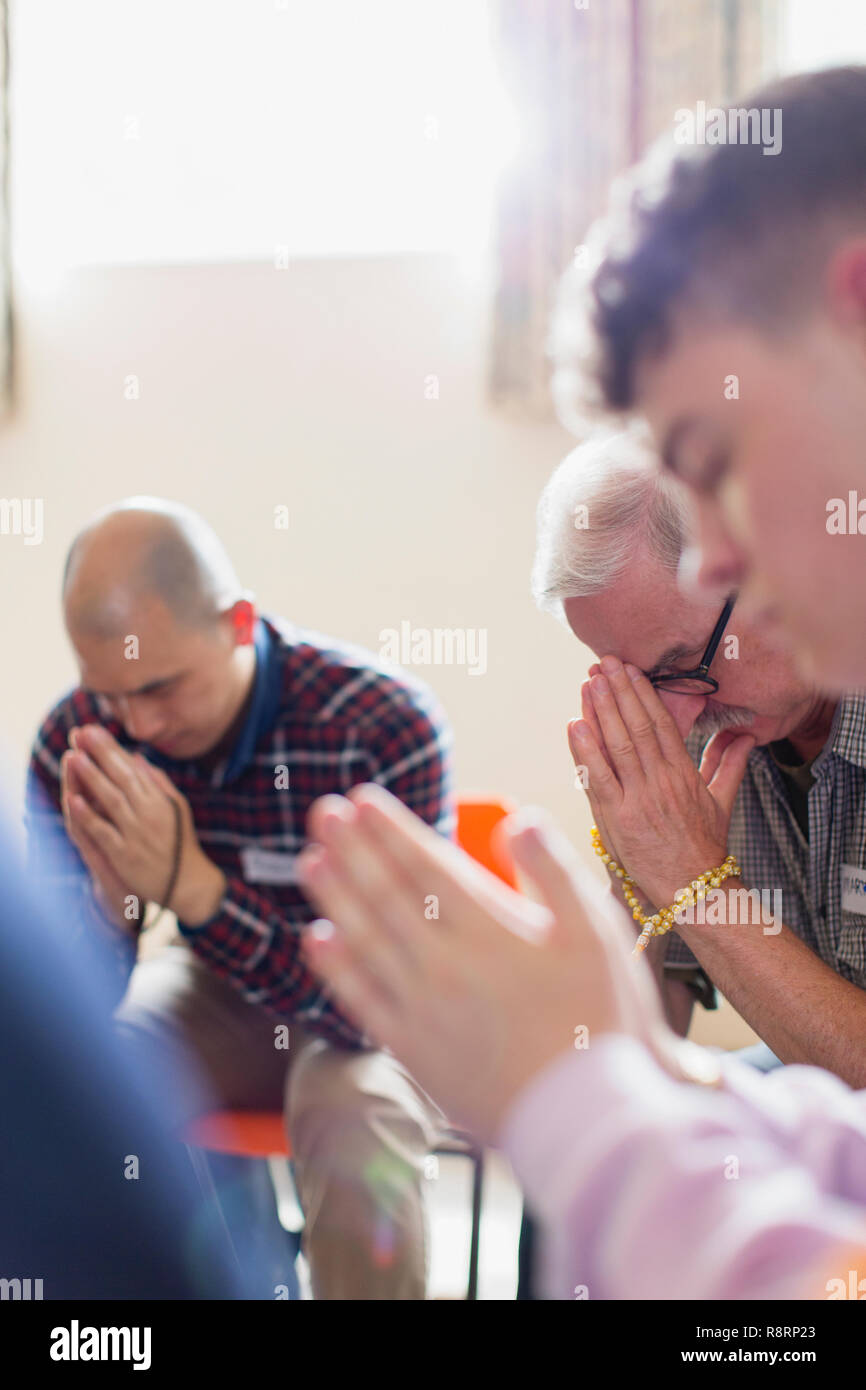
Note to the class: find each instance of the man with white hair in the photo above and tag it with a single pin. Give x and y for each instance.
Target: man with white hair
(611, 535)
(625, 1148)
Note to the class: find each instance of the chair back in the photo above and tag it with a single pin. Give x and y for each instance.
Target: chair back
(477, 818)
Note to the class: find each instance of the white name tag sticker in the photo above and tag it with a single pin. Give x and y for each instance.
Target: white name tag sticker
(272, 866)
(853, 889)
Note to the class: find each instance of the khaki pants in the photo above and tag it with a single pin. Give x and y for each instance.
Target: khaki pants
(360, 1126)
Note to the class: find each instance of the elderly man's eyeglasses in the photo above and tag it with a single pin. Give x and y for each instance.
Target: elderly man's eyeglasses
(697, 681)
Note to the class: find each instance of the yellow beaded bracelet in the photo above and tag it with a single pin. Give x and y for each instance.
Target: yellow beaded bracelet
(662, 921)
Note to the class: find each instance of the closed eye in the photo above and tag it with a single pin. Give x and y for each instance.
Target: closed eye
(679, 669)
(711, 473)
(670, 671)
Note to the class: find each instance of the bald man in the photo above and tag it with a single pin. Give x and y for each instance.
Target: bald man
(178, 773)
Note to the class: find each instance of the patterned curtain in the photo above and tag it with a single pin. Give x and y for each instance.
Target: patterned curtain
(594, 81)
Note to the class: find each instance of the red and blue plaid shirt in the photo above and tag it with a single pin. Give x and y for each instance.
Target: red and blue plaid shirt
(323, 717)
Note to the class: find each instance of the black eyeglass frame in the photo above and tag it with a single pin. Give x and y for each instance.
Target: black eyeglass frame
(699, 673)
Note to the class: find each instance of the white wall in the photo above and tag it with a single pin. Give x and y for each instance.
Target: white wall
(304, 387)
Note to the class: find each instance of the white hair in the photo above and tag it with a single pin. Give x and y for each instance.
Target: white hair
(604, 502)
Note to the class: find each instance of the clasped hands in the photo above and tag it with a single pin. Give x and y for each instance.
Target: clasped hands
(660, 817)
(117, 809)
(474, 986)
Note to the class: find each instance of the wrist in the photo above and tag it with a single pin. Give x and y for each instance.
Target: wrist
(199, 892)
(719, 908)
(657, 889)
(699, 871)
(109, 917)
(104, 906)
(617, 891)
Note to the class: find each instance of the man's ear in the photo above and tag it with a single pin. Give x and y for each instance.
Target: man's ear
(846, 282)
(243, 620)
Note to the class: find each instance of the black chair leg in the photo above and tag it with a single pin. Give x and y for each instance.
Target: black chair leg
(475, 1240)
(525, 1257)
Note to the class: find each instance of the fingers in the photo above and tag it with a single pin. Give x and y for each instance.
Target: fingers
(103, 835)
(65, 785)
(601, 778)
(587, 709)
(352, 884)
(70, 787)
(667, 734)
(547, 858)
(639, 721)
(726, 780)
(154, 777)
(577, 904)
(428, 863)
(113, 762)
(619, 742)
(712, 753)
(154, 774)
(91, 782)
(435, 893)
(101, 873)
(82, 842)
(584, 779)
(359, 995)
(361, 863)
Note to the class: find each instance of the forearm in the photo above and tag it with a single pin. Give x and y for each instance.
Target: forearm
(611, 1151)
(798, 1005)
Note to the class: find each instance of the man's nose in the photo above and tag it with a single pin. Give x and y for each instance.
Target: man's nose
(683, 709)
(141, 723)
(712, 565)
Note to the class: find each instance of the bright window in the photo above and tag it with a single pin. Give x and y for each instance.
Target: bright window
(820, 35)
(195, 130)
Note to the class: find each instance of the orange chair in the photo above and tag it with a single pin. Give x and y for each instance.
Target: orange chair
(477, 818)
(262, 1134)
